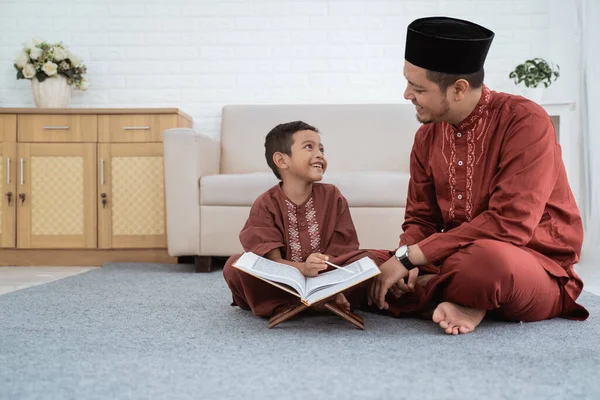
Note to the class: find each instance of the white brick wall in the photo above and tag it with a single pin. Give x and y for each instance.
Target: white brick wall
(201, 55)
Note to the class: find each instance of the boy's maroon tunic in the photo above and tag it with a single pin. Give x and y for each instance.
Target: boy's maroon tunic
(489, 199)
(322, 224)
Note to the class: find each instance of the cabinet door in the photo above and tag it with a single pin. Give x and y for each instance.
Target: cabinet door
(131, 196)
(56, 199)
(8, 196)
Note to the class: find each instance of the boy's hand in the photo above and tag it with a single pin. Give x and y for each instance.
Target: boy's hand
(314, 264)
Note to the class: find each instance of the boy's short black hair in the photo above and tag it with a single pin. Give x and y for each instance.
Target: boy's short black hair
(279, 139)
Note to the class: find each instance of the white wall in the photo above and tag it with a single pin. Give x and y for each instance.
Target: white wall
(589, 13)
(200, 55)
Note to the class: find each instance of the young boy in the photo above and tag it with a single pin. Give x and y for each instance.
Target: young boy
(297, 222)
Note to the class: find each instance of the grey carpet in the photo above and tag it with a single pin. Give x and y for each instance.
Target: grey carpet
(135, 331)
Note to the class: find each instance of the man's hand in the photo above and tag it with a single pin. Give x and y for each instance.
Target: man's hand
(400, 288)
(391, 272)
(314, 264)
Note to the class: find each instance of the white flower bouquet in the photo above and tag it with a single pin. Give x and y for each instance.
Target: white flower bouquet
(42, 60)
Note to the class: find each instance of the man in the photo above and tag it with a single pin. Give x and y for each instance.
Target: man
(490, 222)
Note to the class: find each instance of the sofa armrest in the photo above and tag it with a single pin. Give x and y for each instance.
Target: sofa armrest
(188, 156)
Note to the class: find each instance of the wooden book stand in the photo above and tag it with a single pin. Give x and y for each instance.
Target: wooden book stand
(349, 316)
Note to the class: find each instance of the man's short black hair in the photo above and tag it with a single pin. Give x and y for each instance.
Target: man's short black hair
(444, 81)
(279, 139)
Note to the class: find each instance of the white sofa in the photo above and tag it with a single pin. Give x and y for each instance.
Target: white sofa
(211, 184)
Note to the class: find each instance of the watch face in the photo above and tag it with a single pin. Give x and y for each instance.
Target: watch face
(401, 251)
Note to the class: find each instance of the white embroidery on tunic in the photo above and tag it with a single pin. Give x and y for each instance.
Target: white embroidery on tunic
(313, 227)
(470, 171)
(294, 233)
(452, 176)
(447, 134)
(487, 94)
(486, 128)
(481, 116)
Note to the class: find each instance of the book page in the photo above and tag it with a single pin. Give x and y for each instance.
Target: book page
(365, 269)
(333, 277)
(273, 271)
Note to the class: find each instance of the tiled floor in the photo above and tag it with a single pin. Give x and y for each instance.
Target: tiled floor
(15, 278)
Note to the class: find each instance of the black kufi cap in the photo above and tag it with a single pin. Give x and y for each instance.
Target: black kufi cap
(447, 45)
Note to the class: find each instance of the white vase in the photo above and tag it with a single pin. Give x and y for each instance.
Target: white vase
(534, 94)
(54, 92)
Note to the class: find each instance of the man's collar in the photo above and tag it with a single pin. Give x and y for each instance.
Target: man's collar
(482, 105)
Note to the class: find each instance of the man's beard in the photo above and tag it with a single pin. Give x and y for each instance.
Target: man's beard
(439, 116)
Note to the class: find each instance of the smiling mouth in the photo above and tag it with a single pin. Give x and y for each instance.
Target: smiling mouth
(318, 166)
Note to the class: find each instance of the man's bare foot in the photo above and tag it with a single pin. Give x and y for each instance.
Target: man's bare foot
(455, 319)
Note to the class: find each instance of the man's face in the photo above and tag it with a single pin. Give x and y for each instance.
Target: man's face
(431, 103)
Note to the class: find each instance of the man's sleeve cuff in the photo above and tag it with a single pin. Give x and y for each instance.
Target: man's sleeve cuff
(431, 248)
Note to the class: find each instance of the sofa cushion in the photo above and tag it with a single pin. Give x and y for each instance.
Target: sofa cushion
(380, 135)
(361, 188)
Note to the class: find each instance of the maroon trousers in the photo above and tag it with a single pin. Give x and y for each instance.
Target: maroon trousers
(511, 283)
(251, 293)
(265, 300)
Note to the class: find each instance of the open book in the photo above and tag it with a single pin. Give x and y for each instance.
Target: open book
(310, 289)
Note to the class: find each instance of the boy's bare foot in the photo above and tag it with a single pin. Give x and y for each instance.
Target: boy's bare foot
(423, 279)
(455, 319)
(339, 300)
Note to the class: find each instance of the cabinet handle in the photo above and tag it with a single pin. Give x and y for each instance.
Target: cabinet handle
(136, 128)
(102, 171)
(22, 171)
(8, 171)
(60, 127)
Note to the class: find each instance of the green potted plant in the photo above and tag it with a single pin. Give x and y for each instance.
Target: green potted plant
(533, 76)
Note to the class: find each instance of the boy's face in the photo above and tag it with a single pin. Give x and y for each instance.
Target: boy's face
(307, 161)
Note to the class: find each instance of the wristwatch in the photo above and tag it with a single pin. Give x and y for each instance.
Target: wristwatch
(402, 256)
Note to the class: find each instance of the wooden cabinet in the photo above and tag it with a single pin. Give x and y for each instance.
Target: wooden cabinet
(8, 194)
(131, 205)
(57, 128)
(136, 128)
(83, 186)
(56, 195)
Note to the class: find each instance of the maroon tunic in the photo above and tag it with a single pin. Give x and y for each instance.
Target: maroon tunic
(497, 176)
(322, 224)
